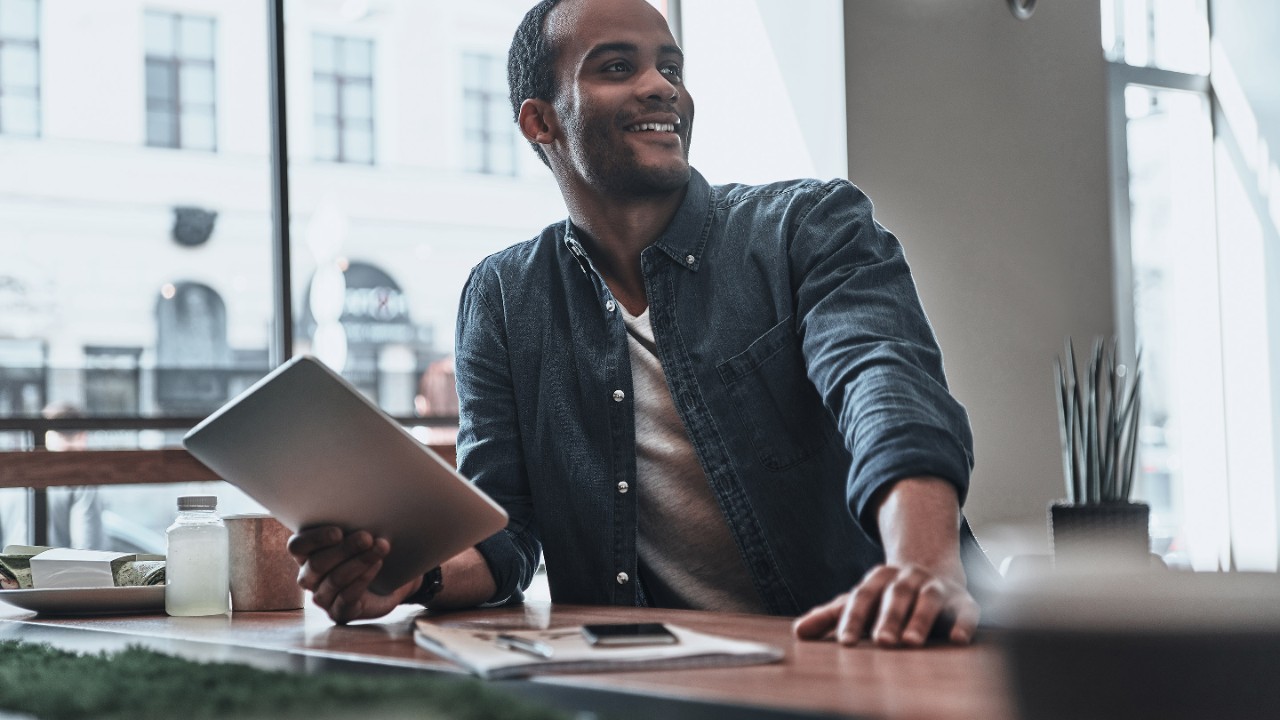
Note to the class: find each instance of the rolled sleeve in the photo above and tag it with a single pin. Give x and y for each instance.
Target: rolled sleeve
(871, 352)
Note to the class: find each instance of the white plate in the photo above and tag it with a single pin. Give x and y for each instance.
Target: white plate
(88, 601)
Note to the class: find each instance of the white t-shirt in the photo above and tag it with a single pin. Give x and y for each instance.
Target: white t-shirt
(684, 541)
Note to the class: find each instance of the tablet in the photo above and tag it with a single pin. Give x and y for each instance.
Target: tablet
(314, 451)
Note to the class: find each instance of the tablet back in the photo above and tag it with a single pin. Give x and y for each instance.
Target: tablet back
(314, 451)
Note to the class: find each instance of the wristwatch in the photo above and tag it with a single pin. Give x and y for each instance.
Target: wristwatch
(432, 584)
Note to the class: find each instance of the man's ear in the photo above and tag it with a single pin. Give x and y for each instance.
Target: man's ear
(538, 121)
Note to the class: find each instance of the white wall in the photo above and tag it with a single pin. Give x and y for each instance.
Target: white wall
(982, 140)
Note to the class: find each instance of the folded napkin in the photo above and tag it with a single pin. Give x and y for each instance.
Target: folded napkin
(60, 567)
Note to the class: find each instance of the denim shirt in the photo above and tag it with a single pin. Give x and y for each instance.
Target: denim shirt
(797, 355)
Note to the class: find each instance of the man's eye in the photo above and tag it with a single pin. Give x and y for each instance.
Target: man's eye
(617, 66)
(673, 72)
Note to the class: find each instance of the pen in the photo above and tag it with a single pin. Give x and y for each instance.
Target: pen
(524, 645)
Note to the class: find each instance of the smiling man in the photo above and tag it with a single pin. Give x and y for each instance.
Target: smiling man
(690, 396)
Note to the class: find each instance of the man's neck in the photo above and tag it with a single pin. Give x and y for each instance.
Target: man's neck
(616, 231)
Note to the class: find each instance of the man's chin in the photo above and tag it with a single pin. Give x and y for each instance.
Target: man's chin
(659, 180)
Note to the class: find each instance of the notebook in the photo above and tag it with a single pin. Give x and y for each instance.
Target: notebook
(314, 451)
(479, 649)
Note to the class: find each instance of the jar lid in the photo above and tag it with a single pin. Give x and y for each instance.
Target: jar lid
(197, 502)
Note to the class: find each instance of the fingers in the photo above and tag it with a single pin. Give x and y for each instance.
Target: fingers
(968, 612)
(349, 602)
(903, 604)
(819, 622)
(324, 558)
(862, 603)
(339, 575)
(304, 542)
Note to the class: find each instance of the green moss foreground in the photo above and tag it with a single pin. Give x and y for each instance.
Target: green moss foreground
(51, 684)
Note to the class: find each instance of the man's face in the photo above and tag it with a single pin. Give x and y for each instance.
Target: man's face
(622, 104)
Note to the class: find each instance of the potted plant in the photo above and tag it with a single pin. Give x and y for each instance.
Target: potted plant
(1098, 418)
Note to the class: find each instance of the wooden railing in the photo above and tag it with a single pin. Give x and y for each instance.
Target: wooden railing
(40, 469)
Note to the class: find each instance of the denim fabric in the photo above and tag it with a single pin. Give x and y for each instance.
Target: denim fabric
(796, 352)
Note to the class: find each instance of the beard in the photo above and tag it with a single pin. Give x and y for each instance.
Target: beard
(615, 168)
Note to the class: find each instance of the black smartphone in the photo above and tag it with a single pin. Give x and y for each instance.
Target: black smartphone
(615, 634)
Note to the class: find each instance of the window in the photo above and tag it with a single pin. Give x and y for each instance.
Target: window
(489, 133)
(96, 228)
(181, 106)
(19, 67)
(342, 97)
(1194, 215)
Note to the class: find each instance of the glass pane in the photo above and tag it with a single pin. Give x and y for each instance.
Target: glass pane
(161, 130)
(357, 101)
(473, 75)
(196, 39)
(325, 137)
(413, 255)
(323, 54)
(1170, 34)
(160, 84)
(357, 58)
(1178, 318)
(474, 154)
(757, 50)
(19, 115)
(357, 144)
(159, 31)
(20, 19)
(196, 84)
(109, 227)
(473, 115)
(198, 130)
(19, 67)
(324, 97)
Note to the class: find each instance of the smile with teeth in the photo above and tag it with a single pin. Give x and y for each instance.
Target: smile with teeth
(652, 127)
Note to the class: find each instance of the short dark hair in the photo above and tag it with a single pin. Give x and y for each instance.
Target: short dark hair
(531, 71)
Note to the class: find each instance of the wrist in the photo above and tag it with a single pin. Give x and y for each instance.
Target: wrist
(919, 522)
(432, 584)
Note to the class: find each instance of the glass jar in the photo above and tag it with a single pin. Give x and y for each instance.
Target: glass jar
(197, 566)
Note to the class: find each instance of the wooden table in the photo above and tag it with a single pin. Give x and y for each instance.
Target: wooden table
(816, 678)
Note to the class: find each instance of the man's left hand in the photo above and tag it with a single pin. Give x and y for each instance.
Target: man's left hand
(920, 587)
(896, 606)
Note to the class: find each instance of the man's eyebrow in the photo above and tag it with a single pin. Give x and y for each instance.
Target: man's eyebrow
(628, 48)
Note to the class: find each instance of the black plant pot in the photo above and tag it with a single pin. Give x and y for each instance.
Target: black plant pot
(1094, 536)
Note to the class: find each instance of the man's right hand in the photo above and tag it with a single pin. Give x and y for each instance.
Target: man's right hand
(337, 568)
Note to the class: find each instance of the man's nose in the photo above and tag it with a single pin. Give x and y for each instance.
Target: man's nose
(655, 85)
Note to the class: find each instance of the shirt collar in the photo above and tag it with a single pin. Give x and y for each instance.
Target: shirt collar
(684, 238)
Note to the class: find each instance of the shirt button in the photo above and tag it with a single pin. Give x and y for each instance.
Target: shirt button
(623, 578)
(689, 259)
(618, 396)
(610, 306)
(623, 487)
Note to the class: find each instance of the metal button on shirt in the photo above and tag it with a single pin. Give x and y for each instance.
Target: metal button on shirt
(689, 259)
(623, 578)
(618, 395)
(623, 487)
(610, 306)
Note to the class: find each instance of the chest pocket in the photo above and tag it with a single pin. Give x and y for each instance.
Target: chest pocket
(779, 407)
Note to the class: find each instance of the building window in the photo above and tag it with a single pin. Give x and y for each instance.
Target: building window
(20, 67)
(342, 92)
(181, 108)
(489, 134)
